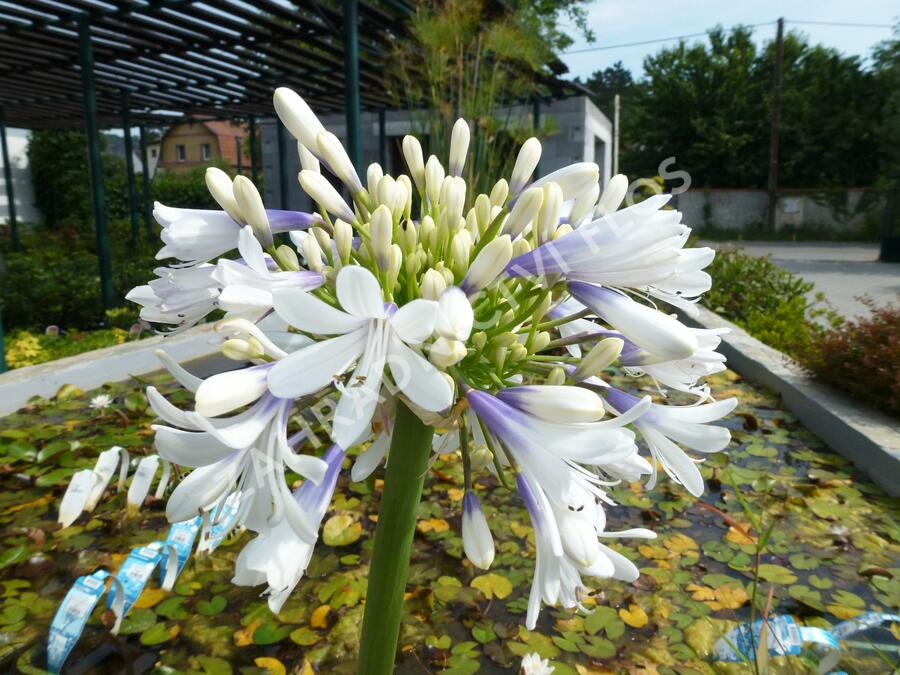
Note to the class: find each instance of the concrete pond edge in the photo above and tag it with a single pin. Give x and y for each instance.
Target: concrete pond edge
(197, 347)
(868, 438)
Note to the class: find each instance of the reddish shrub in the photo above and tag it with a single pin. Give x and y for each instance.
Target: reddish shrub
(862, 358)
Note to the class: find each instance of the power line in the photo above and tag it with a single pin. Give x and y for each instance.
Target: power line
(840, 24)
(706, 33)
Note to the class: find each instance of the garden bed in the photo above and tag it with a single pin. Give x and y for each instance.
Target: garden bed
(832, 554)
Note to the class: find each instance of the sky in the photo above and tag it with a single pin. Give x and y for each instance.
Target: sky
(617, 22)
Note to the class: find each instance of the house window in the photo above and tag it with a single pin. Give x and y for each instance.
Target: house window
(153, 153)
(204, 151)
(180, 154)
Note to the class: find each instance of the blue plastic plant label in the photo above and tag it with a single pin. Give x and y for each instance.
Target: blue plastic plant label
(180, 538)
(783, 638)
(135, 572)
(72, 615)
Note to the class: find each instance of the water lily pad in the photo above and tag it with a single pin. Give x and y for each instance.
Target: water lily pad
(341, 530)
(492, 585)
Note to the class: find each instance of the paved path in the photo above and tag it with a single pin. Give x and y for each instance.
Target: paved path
(843, 271)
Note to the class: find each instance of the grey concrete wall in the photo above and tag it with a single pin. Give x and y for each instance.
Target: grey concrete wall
(738, 209)
(582, 134)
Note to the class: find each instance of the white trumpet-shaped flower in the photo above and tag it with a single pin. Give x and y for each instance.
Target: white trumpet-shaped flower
(688, 425)
(373, 336)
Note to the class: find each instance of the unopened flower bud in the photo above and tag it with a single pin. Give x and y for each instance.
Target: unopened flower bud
(434, 180)
(548, 218)
(287, 258)
(335, 156)
(433, 285)
(504, 339)
(524, 211)
(584, 204)
(540, 342)
(556, 376)
(488, 264)
(395, 264)
(312, 253)
(460, 250)
(521, 247)
(478, 543)
(251, 206)
(612, 196)
(483, 211)
(562, 231)
(406, 202)
(445, 353)
(427, 232)
(385, 191)
(499, 193)
(479, 340)
(600, 357)
(222, 190)
(373, 175)
(412, 152)
(480, 458)
(382, 232)
(526, 162)
(517, 352)
(297, 116)
(343, 239)
(459, 147)
(308, 160)
(238, 349)
(323, 193)
(498, 356)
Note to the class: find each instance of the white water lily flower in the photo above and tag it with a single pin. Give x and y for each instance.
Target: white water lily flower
(533, 664)
(371, 335)
(687, 425)
(101, 402)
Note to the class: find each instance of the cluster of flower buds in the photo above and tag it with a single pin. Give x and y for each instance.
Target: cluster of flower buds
(496, 317)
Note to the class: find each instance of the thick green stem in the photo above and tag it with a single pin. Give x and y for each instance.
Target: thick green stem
(407, 464)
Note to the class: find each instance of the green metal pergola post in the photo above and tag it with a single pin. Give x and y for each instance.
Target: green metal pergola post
(251, 129)
(281, 133)
(148, 202)
(129, 170)
(240, 159)
(351, 80)
(92, 131)
(382, 141)
(10, 191)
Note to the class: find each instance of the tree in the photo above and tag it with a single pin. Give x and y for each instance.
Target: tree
(606, 83)
(709, 106)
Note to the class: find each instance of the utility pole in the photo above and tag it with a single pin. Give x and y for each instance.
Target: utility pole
(615, 148)
(776, 125)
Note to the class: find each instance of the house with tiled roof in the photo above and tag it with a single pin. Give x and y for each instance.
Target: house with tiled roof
(191, 144)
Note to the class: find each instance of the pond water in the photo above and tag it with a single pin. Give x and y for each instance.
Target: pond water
(834, 551)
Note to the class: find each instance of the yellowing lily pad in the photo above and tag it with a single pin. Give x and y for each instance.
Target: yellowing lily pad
(341, 530)
(492, 585)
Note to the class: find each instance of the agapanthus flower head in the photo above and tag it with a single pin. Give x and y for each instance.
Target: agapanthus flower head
(497, 318)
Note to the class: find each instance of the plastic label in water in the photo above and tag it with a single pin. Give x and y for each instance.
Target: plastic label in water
(180, 539)
(72, 615)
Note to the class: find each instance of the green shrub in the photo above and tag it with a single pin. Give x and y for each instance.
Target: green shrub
(55, 279)
(186, 190)
(768, 302)
(862, 358)
(25, 348)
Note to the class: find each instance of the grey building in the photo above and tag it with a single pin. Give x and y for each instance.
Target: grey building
(581, 134)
